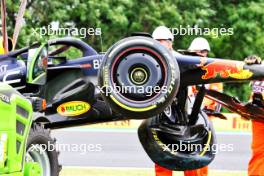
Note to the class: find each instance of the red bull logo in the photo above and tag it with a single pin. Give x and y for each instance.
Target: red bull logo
(226, 69)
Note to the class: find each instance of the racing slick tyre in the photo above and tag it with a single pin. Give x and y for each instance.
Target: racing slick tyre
(139, 77)
(41, 149)
(178, 147)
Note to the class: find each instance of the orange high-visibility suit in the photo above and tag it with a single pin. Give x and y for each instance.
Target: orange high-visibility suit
(208, 104)
(161, 171)
(256, 164)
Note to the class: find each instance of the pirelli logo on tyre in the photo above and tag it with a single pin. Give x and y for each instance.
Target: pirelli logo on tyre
(73, 108)
(105, 76)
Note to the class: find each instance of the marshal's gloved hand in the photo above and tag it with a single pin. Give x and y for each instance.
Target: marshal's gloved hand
(252, 60)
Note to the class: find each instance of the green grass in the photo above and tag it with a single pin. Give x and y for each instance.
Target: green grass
(133, 172)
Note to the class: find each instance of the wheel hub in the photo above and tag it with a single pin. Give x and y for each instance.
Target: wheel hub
(138, 76)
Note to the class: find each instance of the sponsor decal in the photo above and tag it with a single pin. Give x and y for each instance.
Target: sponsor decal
(96, 64)
(226, 69)
(73, 108)
(86, 66)
(8, 77)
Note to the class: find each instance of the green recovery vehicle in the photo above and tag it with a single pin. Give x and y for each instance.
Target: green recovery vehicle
(21, 140)
(15, 123)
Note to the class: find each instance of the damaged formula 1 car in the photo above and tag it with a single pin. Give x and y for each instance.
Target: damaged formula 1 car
(137, 78)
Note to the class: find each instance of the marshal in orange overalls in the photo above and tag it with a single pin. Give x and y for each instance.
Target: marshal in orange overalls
(256, 164)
